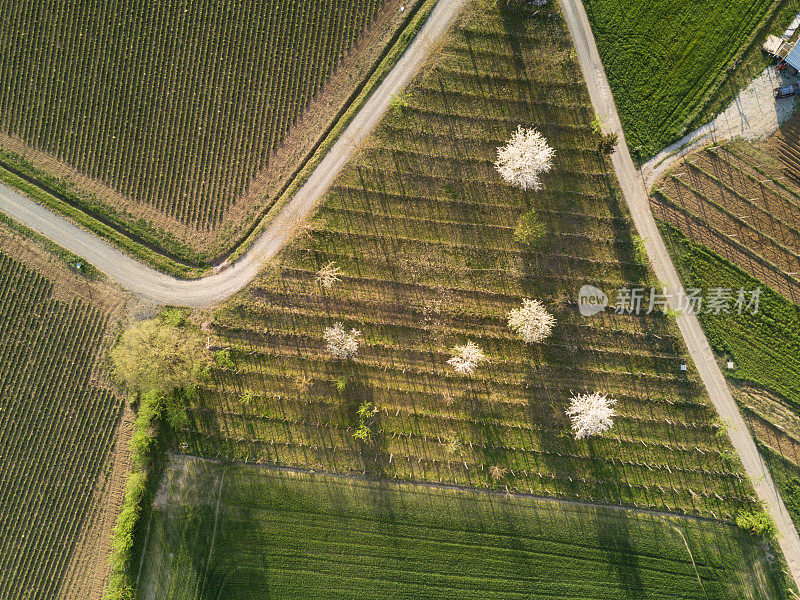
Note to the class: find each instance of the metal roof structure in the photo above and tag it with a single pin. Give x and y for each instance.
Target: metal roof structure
(793, 58)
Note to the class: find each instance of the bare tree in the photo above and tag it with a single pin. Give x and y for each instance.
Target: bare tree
(591, 414)
(526, 156)
(341, 343)
(328, 275)
(531, 321)
(497, 472)
(466, 358)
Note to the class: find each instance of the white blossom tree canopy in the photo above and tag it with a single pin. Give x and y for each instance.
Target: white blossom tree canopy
(466, 358)
(531, 321)
(526, 156)
(341, 343)
(591, 414)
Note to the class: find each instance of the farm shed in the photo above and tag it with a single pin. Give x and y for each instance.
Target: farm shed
(776, 46)
(793, 58)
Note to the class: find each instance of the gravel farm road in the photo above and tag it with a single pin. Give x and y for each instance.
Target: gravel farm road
(163, 289)
(633, 189)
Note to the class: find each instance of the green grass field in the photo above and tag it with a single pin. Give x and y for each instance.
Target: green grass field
(240, 533)
(674, 64)
(423, 230)
(57, 426)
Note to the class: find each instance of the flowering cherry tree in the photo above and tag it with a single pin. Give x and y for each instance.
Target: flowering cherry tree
(531, 321)
(341, 343)
(466, 358)
(591, 414)
(526, 156)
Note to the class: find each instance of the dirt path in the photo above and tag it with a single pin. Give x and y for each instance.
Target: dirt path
(754, 115)
(163, 289)
(632, 183)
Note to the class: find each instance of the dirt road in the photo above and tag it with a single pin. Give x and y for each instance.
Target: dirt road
(633, 188)
(163, 289)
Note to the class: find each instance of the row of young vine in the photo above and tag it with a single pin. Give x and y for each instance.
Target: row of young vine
(56, 430)
(174, 105)
(426, 241)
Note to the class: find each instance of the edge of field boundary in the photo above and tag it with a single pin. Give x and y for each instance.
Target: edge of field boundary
(169, 263)
(445, 486)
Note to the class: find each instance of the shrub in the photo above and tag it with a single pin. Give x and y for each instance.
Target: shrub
(223, 359)
(608, 143)
(174, 317)
(529, 229)
(757, 523)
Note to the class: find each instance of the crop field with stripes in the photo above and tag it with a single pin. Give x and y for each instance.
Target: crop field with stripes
(173, 105)
(423, 230)
(724, 198)
(57, 430)
(245, 533)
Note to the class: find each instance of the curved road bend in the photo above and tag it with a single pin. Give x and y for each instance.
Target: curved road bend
(163, 289)
(636, 196)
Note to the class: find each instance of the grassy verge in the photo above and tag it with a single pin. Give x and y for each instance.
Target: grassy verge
(75, 262)
(674, 64)
(140, 231)
(787, 477)
(238, 532)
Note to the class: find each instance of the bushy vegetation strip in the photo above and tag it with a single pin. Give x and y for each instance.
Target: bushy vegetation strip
(159, 361)
(136, 500)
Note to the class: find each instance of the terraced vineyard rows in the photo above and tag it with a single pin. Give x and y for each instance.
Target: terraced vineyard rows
(423, 231)
(176, 106)
(721, 198)
(56, 429)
